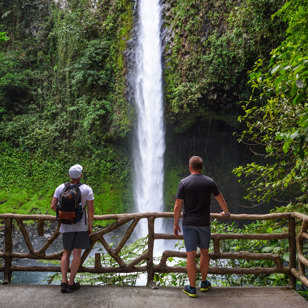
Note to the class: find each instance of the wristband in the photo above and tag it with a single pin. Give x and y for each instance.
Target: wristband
(227, 214)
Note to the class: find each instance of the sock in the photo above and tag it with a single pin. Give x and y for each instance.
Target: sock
(192, 287)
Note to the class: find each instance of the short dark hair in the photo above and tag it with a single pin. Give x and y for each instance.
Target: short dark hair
(196, 163)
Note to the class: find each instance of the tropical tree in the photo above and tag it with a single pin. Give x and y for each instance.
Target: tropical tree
(276, 116)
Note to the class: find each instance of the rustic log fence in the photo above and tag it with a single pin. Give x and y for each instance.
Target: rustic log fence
(296, 246)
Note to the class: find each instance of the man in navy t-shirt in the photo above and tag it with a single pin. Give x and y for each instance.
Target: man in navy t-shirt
(195, 192)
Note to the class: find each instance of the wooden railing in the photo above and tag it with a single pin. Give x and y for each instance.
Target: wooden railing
(296, 259)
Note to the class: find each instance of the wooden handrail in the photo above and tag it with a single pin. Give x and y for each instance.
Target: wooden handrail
(118, 220)
(130, 216)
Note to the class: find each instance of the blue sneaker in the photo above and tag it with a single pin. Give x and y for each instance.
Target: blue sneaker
(205, 286)
(191, 292)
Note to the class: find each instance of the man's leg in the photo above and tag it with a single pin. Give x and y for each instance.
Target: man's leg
(204, 263)
(65, 264)
(191, 267)
(75, 265)
(190, 239)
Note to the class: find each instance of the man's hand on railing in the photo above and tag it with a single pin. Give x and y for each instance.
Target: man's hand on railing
(176, 230)
(225, 214)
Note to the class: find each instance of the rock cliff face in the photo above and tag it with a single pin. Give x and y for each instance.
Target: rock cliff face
(208, 48)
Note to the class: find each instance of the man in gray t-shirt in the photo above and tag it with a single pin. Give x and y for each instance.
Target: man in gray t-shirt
(75, 236)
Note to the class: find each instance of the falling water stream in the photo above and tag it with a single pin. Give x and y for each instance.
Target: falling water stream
(150, 134)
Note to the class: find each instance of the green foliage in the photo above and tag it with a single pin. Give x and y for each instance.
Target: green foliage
(29, 180)
(92, 72)
(62, 100)
(61, 86)
(110, 199)
(15, 92)
(210, 45)
(172, 179)
(302, 290)
(277, 247)
(277, 116)
(3, 36)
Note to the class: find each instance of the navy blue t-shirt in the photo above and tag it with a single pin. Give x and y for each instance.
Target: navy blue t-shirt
(196, 190)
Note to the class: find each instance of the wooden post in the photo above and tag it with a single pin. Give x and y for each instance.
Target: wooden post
(300, 246)
(8, 250)
(292, 251)
(150, 271)
(40, 227)
(98, 263)
(216, 246)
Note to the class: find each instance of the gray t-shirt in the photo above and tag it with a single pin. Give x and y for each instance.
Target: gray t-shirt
(86, 195)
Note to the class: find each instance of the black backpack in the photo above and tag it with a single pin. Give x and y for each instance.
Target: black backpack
(69, 210)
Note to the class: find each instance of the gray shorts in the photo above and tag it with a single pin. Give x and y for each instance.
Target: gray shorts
(196, 236)
(76, 240)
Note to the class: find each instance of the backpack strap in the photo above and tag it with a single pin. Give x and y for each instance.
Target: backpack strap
(85, 214)
(66, 187)
(78, 189)
(85, 207)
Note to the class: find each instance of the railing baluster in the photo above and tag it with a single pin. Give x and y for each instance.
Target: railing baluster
(150, 271)
(216, 246)
(40, 227)
(98, 263)
(300, 247)
(25, 234)
(8, 250)
(292, 251)
(126, 236)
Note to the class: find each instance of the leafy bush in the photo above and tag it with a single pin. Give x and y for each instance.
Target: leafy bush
(61, 86)
(28, 180)
(210, 46)
(276, 117)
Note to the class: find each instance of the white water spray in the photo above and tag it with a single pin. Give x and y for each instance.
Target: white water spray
(150, 145)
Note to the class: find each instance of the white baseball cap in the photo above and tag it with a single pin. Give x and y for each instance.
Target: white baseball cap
(75, 172)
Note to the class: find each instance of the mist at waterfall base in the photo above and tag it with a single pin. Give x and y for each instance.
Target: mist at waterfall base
(149, 146)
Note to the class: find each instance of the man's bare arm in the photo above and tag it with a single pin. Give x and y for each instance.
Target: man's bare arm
(223, 204)
(177, 213)
(90, 214)
(54, 203)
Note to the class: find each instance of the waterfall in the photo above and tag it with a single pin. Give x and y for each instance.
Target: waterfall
(150, 136)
